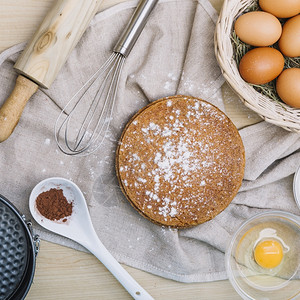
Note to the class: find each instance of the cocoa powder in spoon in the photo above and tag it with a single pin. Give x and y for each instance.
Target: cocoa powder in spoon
(54, 205)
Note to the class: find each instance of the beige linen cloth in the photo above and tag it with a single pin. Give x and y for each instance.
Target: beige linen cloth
(174, 55)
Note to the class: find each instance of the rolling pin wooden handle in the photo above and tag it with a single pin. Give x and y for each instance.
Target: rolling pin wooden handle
(12, 109)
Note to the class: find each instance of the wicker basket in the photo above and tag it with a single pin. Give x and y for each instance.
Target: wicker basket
(270, 110)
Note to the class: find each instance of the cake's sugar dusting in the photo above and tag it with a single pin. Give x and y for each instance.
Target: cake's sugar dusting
(174, 164)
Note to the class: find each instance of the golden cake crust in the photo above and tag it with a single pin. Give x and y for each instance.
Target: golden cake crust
(180, 161)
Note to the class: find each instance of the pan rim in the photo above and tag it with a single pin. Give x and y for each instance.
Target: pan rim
(26, 279)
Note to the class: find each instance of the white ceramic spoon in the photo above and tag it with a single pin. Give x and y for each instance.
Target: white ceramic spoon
(79, 228)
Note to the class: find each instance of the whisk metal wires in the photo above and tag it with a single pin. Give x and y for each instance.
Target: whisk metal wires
(85, 119)
(82, 125)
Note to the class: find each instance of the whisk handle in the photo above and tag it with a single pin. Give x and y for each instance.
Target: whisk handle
(134, 27)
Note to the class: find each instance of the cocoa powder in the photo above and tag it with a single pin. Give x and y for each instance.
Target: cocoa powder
(54, 205)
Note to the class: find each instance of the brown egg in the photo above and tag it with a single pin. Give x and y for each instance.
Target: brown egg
(281, 8)
(261, 65)
(288, 87)
(289, 42)
(258, 28)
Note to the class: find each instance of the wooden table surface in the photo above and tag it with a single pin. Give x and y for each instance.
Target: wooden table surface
(64, 273)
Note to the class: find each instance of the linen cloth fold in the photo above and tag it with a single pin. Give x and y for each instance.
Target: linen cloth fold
(173, 55)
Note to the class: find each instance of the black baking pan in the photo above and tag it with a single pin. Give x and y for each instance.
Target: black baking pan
(18, 250)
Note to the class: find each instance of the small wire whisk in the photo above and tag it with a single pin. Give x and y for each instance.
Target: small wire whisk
(82, 125)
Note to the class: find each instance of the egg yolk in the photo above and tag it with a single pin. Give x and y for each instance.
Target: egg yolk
(268, 254)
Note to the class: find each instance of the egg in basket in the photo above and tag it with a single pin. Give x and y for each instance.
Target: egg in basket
(257, 49)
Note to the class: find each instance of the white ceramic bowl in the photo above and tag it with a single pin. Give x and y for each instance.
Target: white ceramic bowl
(296, 187)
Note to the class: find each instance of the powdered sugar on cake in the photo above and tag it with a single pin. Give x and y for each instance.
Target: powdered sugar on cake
(171, 168)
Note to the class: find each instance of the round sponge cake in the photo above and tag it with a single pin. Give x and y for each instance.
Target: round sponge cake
(180, 161)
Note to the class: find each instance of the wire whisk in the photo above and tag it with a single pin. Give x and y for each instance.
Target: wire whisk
(83, 123)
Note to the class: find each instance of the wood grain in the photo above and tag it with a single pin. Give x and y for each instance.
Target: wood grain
(63, 273)
(12, 109)
(55, 38)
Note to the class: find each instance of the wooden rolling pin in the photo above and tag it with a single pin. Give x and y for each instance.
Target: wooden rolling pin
(45, 54)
